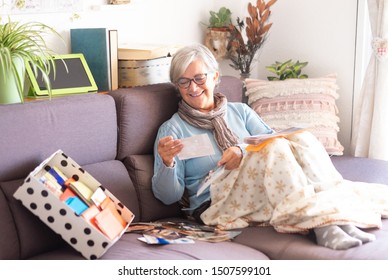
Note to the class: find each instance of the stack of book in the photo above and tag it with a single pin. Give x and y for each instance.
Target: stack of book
(144, 64)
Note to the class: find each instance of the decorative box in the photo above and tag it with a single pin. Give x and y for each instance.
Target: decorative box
(48, 194)
(144, 72)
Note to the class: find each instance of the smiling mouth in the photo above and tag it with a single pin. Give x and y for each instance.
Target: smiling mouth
(196, 94)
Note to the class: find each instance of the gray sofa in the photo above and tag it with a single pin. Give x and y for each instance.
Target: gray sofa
(111, 136)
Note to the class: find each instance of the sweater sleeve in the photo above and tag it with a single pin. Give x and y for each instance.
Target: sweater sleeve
(254, 123)
(167, 182)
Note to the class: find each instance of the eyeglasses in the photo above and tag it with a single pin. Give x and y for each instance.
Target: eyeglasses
(184, 83)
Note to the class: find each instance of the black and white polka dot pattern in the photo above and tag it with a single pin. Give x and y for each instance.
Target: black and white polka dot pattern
(75, 230)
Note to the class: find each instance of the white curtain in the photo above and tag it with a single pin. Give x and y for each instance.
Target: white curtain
(370, 127)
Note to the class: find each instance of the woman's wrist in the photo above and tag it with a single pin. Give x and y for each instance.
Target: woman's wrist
(241, 151)
(170, 165)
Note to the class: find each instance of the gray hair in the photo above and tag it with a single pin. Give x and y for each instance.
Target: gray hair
(186, 55)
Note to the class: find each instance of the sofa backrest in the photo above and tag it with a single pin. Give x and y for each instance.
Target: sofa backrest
(83, 126)
(141, 111)
(233, 88)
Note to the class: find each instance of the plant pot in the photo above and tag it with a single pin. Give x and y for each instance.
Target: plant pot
(8, 88)
(216, 40)
(244, 76)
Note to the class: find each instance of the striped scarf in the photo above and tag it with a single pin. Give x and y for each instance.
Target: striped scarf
(213, 120)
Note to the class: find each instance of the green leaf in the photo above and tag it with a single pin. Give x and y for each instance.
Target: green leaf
(283, 67)
(288, 69)
(271, 69)
(222, 18)
(27, 41)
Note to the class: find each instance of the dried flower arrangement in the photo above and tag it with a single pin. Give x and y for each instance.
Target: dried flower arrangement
(241, 52)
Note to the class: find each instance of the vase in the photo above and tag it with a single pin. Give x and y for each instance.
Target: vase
(244, 76)
(9, 92)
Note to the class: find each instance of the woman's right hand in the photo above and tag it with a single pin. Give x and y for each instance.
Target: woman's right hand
(168, 148)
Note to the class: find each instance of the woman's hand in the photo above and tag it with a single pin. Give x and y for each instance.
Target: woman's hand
(168, 148)
(231, 158)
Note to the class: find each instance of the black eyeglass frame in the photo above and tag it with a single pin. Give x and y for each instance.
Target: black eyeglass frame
(187, 80)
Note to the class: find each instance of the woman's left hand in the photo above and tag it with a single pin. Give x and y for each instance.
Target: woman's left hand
(231, 158)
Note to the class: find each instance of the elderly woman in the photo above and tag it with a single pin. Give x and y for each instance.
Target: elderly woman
(290, 183)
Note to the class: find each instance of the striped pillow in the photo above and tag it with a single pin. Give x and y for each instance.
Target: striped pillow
(299, 102)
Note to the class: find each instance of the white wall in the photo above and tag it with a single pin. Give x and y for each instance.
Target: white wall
(167, 21)
(320, 32)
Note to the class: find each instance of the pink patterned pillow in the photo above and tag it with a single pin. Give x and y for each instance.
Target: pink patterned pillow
(299, 102)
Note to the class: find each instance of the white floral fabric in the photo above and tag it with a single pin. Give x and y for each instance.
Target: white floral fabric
(292, 185)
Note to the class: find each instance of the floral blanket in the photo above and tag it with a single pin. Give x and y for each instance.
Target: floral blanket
(291, 184)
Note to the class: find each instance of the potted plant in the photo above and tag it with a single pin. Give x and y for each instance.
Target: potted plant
(220, 20)
(242, 50)
(217, 32)
(22, 43)
(286, 70)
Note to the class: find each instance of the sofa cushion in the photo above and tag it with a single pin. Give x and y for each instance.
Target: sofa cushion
(299, 102)
(64, 253)
(232, 88)
(141, 171)
(362, 169)
(129, 248)
(286, 246)
(9, 241)
(140, 112)
(84, 126)
(34, 236)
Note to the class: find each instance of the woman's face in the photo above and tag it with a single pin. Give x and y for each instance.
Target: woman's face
(198, 96)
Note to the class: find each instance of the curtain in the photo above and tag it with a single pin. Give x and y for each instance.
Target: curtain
(370, 122)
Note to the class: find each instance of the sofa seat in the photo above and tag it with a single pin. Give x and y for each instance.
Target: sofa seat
(285, 246)
(130, 248)
(362, 169)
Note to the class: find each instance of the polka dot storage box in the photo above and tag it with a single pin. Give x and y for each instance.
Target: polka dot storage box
(75, 205)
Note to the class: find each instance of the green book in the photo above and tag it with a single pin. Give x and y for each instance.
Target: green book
(99, 46)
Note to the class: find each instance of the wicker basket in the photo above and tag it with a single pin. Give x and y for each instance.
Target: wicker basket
(118, 2)
(144, 72)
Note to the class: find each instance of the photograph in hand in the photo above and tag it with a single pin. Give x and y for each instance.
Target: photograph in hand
(196, 146)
